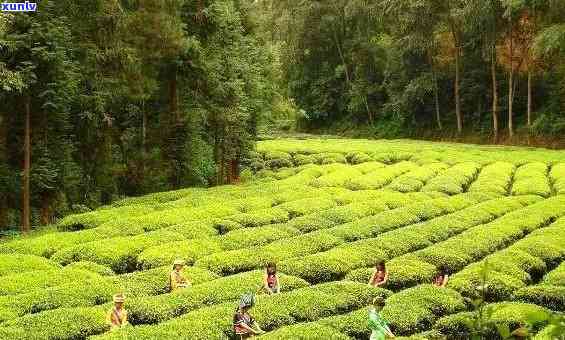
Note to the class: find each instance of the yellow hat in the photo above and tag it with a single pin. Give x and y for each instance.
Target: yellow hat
(119, 298)
(178, 262)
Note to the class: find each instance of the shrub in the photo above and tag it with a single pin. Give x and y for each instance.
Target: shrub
(244, 238)
(557, 176)
(552, 297)
(379, 177)
(336, 178)
(306, 206)
(531, 178)
(455, 179)
(416, 179)
(556, 277)
(154, 309)
(29, 281)
(63, 323)
(358, 158)
(306, 331)
(277, 159)
(94, 291)
(119, 253)
(329, 158)
(367, 167)
(235, 261)
(495, 177)
(416, 309)
(19, 263)
(261, 217)
(156, 281)
(188, 250)
(510, 314)
(92, 267)
(300, 159)
(305, 304)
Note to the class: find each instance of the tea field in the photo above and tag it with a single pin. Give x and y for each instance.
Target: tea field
(325, 210)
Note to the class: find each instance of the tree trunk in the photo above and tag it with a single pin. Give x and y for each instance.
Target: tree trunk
(494, 95)
(45, 209)
(436, 90)
(511, 84)
(529, 98)
(173, 96)
(27, 166)
(457, 97)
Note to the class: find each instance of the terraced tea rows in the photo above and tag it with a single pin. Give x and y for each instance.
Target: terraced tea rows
(325, 211)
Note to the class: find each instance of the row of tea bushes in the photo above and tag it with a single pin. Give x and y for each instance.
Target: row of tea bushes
(339, 261)
(80, 288)
(512, 268)
(454, 180)
(416, 309)
(191, 250)
(380, 177)
(230, 262)
(495, 177)
(416, 179)
(271, 312)
(531, 178)
(20, 263)
(474, 243)
(512, 315)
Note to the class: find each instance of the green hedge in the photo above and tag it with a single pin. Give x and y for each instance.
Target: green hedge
(119, 253)
(358, 157)
(337, 178)
(154, 309)
(531, 178)
(90, 292)
(300, 159)
(556, 277)
(552, 297)
(28, 281)
(260, 217)
(380, 177)
(244, 238)
(271, 312)
(277, 159)
(93, 219)
(19, 263)
(455, 179)
(510, 314)
(495, 177)
(511, 269)
(305, 331)
(91, 267)
(337, 262)
(236, 261)
(367, 167)
(188, 250)
(416, 309)
(156, 281)
(557, 176)
(306, 206)
(63, 323)
(329, 158)
(416, 179)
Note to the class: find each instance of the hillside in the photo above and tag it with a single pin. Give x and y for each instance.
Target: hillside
(325, 210)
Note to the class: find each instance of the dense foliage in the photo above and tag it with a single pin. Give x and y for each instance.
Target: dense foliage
(125, 98)
(492, 217)
(412, 67)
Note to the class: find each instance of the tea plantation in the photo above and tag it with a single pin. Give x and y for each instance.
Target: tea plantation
(325, 210)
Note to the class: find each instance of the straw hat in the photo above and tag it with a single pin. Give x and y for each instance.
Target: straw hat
(178, 262)
(119, 298)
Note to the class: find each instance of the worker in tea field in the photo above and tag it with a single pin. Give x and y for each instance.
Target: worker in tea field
(377, 324)
(442, 277)
(244, 325)
(176, 278)
(118, 316)
(380, 275)
(271, 279)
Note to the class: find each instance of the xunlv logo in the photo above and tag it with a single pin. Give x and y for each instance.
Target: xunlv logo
(19, 6)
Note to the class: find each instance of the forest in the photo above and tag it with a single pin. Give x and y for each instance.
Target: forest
(105, 99)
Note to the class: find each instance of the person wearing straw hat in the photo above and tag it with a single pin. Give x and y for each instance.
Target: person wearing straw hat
(176, 279)
(377, 324)
(244, 325)
(118, 316)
